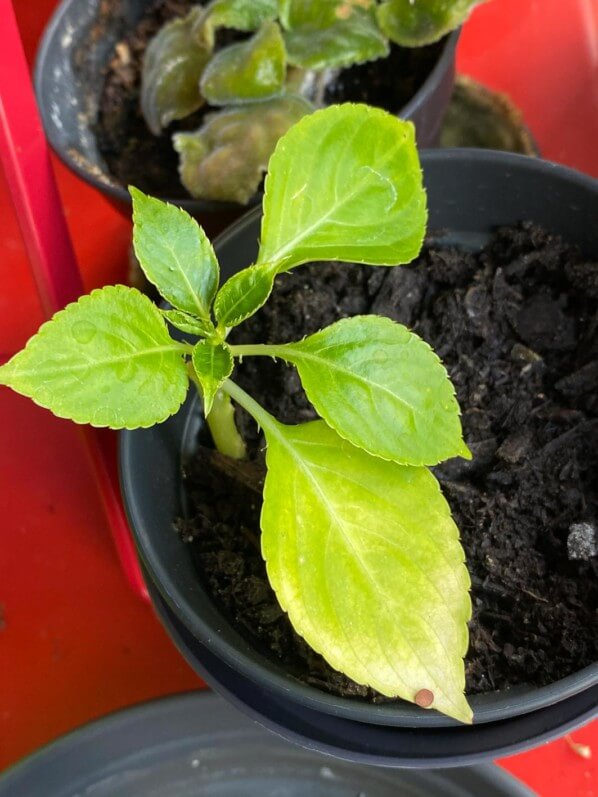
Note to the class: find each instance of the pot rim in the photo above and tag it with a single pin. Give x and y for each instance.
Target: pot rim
(185, 724)
(107, 184)
(406, 748)
(488, 707)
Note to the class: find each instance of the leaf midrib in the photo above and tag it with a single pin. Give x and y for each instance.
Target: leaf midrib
(90, 364)
(194, 295)
(335, 366)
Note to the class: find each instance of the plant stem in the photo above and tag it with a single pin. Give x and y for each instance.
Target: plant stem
(225, 434)
(257, 350)
(257, 412)
(221, 422)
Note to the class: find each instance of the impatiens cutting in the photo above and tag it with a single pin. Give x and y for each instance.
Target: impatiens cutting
(358, 539)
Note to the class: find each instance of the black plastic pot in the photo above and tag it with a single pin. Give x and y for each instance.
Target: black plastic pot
(378, 745)
(69, 74)
(196, 744)
(470, 192)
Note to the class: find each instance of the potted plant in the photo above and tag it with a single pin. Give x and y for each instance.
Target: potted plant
(386, 401)
(92, 92)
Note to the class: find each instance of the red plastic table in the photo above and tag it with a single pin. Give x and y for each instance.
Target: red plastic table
(75, 642)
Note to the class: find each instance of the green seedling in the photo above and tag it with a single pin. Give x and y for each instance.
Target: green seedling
(262, 85)
(359, 542)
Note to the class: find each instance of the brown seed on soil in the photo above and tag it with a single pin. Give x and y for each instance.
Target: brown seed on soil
(424, 698)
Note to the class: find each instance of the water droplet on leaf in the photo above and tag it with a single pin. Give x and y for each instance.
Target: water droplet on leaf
(83, 331)
(125, 371)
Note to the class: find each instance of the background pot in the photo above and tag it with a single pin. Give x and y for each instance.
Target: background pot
(197, 744)
(470, 192)
(69, 74)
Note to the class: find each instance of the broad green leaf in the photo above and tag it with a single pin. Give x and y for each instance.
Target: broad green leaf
(243, 294)
(175, 254)
(172, 65)
(249, 71)
(227, 157)
(247, 15)
(213, 364)
(344, 183)
(381, 387)
(413, 24)
(107, 360)
(188, 323)
(323, 34)
(365, 558)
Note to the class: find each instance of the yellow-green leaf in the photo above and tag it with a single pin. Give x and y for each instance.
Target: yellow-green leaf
(213, 363)
(188, 323)
(175, 254)
(326, 34)
(382, 388)
(243, 294)
(344, 183)
(106, 360)
(246, 15)
(365, 558)
(249, 71)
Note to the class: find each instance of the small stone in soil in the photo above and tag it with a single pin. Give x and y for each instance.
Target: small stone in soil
(582, 542)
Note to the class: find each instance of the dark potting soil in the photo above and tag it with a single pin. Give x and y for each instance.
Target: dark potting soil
(136, 157)
(517, 327)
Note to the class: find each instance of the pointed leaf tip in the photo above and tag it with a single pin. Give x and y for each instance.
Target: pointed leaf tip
(213, 364)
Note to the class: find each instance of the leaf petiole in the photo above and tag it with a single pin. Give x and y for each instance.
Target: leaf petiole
(256, 350)
(261, 416)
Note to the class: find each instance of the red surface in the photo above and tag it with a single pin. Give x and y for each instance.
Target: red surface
(76, 642)
(26, 160)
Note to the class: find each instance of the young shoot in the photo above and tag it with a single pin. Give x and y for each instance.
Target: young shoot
(359, 542)
(262, 85)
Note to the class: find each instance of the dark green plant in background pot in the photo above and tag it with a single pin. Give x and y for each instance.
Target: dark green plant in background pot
(267, 81)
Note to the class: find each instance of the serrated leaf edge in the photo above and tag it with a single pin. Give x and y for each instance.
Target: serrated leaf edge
(370, 112)
(203, 312)
(236, 320)
(306, 630)
(82, 420)
(462, 449)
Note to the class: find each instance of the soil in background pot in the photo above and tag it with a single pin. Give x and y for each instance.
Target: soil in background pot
(136, 157)
(517, 327)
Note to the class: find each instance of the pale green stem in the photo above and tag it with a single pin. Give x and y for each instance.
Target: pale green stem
(221, 422)
(258, 350)
(257, 412)
(225, 434)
